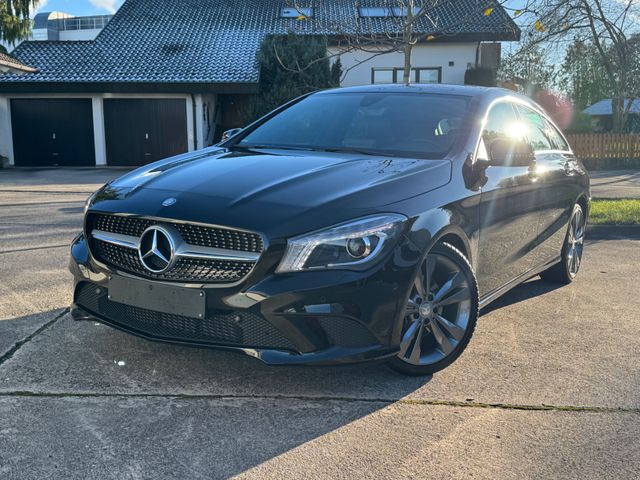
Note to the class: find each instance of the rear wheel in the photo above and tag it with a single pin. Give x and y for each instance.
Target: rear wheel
(440, 315)
(567, 269)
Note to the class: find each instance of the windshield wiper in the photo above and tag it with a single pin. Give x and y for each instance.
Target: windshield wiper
(272, 147)
(353, 150)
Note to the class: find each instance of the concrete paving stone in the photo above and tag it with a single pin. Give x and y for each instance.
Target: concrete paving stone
(78, 438)
(85, 180)
(34, 281)
(105, 404)
(18, 329)
(30, 197)
(562, 346)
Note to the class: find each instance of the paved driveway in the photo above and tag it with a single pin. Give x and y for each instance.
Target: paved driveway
(548, 388)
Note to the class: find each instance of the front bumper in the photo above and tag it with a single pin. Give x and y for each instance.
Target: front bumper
(322, 317)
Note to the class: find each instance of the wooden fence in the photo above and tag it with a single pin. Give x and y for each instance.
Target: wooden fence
(598, 146)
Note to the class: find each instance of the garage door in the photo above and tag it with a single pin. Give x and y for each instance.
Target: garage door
(52, 132)
(140, 131)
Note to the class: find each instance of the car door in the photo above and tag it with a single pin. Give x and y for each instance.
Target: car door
(557, 188)
(508, 208)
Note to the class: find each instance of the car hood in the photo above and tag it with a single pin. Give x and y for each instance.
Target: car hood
(271, 191)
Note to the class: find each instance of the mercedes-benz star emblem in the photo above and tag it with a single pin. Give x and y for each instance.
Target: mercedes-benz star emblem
(156, 249)
(168, 202)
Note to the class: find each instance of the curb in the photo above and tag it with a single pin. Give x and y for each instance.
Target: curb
(613, 232)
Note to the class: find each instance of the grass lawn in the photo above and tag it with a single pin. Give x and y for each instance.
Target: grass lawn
(616, 212)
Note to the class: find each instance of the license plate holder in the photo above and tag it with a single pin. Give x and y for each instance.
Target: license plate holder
(187, 302)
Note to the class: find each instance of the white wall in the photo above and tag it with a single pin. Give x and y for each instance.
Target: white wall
(207, 122)
(424, 55)
(65, 35)
(6, 140)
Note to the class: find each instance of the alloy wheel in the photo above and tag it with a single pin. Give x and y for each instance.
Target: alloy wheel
(438, 312)
(575, 242)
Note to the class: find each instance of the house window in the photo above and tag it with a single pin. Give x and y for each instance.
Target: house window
(293, 12)
(382, 75)
(378, 12)
(395, 75)
(428, 75)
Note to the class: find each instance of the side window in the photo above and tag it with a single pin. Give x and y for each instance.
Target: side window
(557, 140)
(537, 131)
(501, 122)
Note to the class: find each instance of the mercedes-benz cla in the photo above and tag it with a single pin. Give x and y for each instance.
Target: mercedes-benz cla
(348, 225)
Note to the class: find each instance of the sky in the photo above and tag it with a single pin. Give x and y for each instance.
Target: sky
(79, 7)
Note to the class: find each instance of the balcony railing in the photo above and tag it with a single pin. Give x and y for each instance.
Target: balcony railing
(80, 23)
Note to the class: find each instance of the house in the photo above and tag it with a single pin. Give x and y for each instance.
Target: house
(11, 65)
(65, 27)
(162, 78)
(62, 27)
(601, 115)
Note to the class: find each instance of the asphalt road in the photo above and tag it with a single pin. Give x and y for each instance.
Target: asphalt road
(548, 387)
(615, 184)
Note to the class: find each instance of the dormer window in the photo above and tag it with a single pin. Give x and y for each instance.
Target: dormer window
(295, 12)
(381, 12)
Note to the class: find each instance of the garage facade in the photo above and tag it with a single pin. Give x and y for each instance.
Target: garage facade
(139, 131)
(102, 129)
(52, 132)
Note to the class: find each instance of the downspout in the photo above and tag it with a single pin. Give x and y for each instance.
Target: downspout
(477, 54)
(195, 125)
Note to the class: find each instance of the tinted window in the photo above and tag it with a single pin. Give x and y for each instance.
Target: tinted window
(537, 129)
(501, 122)
(557, 140)
(400, 124)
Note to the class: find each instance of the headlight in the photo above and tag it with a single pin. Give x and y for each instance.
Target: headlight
(347, 245)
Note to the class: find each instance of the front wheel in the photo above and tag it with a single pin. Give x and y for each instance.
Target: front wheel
(571, 256)
(440, 315)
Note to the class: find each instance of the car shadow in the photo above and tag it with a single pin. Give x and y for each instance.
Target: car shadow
(529, 289)
(229, 413)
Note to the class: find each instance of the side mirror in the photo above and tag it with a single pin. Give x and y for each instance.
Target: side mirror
(510, 153)
(230, 133)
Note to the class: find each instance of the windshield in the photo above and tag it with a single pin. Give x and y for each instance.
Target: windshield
(415, 125)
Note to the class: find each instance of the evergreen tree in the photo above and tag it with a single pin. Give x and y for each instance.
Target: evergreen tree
(290, 66)
(336, 73)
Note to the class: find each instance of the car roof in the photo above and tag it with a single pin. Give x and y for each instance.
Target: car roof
(434, 88)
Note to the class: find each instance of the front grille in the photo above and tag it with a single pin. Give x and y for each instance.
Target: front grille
(233, 328)
(200, 235)
(185, 269)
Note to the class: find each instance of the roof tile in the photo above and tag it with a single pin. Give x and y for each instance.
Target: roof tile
(216, 41)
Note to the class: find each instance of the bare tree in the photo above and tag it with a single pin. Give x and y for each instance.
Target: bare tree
(401, 24)
(608, 25)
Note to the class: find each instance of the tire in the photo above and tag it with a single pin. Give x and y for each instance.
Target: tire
(565, 271)
(442, 324)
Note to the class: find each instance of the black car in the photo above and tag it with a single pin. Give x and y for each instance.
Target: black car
(348, 225)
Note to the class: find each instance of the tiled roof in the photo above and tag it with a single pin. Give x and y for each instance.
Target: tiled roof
(8, 63)
(215, 41)
(604, 107)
